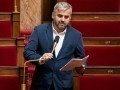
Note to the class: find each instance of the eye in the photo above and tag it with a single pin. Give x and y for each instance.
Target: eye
(59, 15)
(66, 17)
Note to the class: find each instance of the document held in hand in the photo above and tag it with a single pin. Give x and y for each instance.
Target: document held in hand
(74, 62)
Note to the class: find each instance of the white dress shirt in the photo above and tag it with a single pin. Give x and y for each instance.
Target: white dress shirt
(61, 39)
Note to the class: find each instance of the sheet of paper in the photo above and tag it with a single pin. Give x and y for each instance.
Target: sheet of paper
(74, 62)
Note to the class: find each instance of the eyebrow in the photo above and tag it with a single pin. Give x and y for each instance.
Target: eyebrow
(66, 16)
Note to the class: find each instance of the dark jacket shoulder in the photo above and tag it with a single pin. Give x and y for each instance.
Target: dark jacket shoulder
(75, 31)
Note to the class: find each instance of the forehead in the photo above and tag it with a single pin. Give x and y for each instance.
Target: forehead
(63, 11)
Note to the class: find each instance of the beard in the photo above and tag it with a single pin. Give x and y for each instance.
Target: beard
(62, 26)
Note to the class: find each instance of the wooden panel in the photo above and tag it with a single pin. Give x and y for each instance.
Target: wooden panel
(20, 50)
(96, 16)
(16, 24)
(15, 18)
(102, 70)
(76, 81)
(7, 42)
(20, 41)
(101, 40)
(9, 70)
(16, 29)
(98, 70)
(18, 5)
(4, 16)
(47, 11)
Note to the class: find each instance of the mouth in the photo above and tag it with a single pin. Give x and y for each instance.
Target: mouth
(62, 24)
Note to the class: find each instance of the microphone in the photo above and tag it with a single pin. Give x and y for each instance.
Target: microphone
(55, 43)
(23, 85)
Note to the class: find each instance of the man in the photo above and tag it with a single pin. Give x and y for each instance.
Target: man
(47, 75)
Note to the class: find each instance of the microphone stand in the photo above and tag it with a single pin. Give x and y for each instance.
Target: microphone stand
(54, 47)
(55, 43)
(23, 85)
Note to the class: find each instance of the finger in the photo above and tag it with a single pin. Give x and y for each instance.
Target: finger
(42, 61)
(48, 56)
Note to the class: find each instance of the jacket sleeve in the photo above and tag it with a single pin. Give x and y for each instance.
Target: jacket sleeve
(79, 50)
(30, 52)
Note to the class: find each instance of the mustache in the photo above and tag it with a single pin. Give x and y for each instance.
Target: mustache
(62, 23)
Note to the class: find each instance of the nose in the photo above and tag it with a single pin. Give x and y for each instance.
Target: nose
(63, 19)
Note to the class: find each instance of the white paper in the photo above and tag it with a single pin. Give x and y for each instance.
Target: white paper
(74, 62)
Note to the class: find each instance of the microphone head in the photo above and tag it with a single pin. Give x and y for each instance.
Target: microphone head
(56, 39)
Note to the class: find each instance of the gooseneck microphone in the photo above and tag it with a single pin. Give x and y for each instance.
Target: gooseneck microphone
(23, 85)
(56, 40)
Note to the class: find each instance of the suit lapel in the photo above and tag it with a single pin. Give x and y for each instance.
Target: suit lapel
(49, 32)
(66, 40)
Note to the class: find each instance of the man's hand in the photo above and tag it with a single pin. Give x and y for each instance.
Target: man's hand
(45, 57)
(80, 69)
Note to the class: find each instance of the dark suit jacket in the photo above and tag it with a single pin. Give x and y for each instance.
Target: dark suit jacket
(41, 41)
